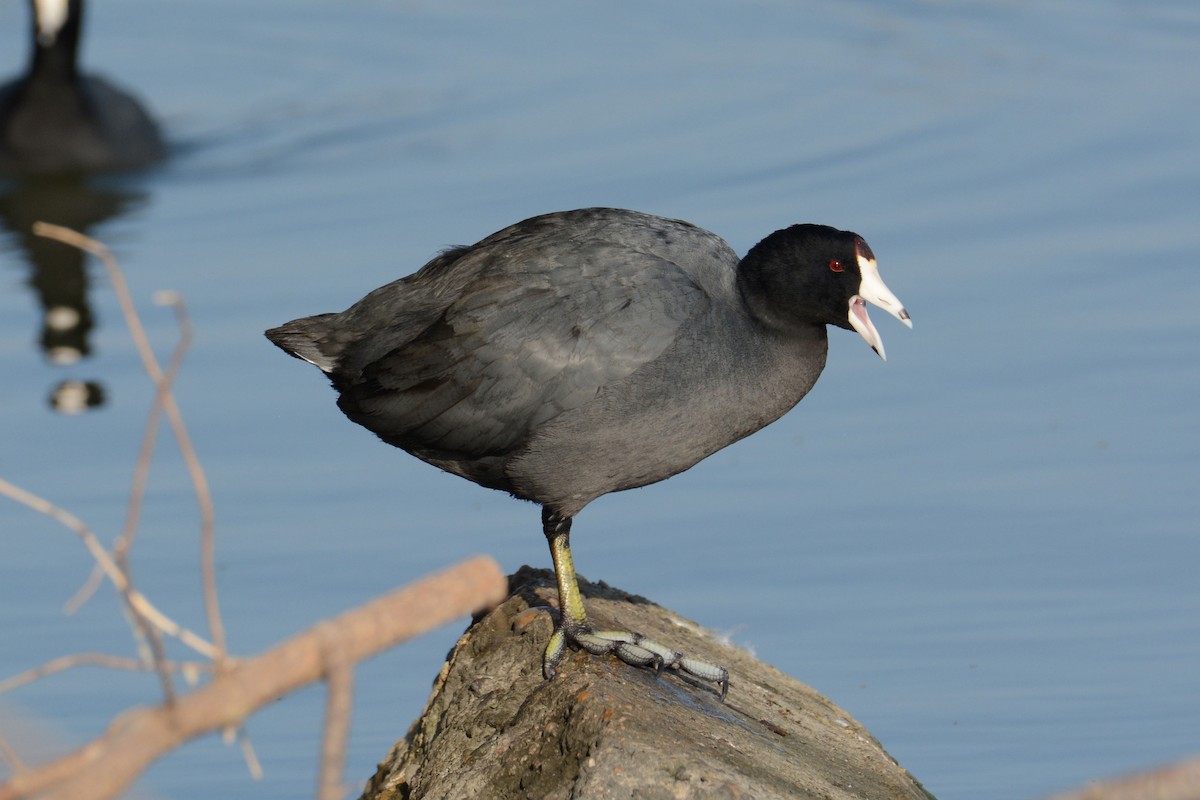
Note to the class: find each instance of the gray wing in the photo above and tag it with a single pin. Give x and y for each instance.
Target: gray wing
(528, 337)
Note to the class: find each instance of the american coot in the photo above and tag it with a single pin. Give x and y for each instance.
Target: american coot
(585, 352)
(55, 119)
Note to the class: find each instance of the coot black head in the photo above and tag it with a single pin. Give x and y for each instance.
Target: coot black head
(592, 351)
(55, 119)
(814, 274)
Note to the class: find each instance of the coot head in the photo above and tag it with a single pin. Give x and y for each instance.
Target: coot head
(807, 275)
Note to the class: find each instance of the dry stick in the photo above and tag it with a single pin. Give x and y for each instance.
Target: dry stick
(8, 754)
(248, 754)
(63, 663)
(141, 471)
(134, 598)
(339, 684)
(1178, 781)
(150, 637)
(163, 400)
(85, 592)
(144, 632)
(191, 460)
(107, 765)
(142, 609)
(124, 542)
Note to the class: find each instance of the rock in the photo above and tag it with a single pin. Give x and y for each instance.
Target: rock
(493, 728)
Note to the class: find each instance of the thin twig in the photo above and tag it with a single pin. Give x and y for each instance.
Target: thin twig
(8, 755)
(134, 598)
(146, 453)
(251, 757)
(141, 471)
(144, 630)
(64, 663)
(85, 592)
(187, 450)
(154, 653)
(124, 542)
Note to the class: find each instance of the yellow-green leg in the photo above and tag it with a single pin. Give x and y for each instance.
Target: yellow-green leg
(572, 615)
(632, 648)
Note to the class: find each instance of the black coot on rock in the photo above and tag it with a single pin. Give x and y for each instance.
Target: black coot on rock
(585, 352)
(55, 119)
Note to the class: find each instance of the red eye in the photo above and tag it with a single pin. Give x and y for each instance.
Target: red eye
(835, 265)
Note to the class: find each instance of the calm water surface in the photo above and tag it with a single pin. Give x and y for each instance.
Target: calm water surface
(984, 549)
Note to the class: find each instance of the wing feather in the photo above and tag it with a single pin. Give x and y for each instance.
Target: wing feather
(520, 346)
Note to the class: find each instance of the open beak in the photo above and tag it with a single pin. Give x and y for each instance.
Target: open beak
(873, 290)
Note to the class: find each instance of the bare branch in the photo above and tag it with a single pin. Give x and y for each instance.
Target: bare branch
(135, 599)
(187, 450)
(145, 453)
(251, 758)
(339, 681)
(10, 756)
(104, 767)
(149, 435)
(141, 472)
(330, 651)
(1178, 781)
(124, 542)
(154, 653)
(65, 663)
(85, 592)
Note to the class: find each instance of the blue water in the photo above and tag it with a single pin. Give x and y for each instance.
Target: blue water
(985, 548)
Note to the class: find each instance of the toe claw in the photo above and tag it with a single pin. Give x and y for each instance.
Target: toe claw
(706, 671)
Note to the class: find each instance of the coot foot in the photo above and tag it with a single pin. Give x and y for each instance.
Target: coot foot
(635, 650)
(632, 648)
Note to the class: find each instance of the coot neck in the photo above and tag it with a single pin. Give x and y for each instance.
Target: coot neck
(771, 300)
